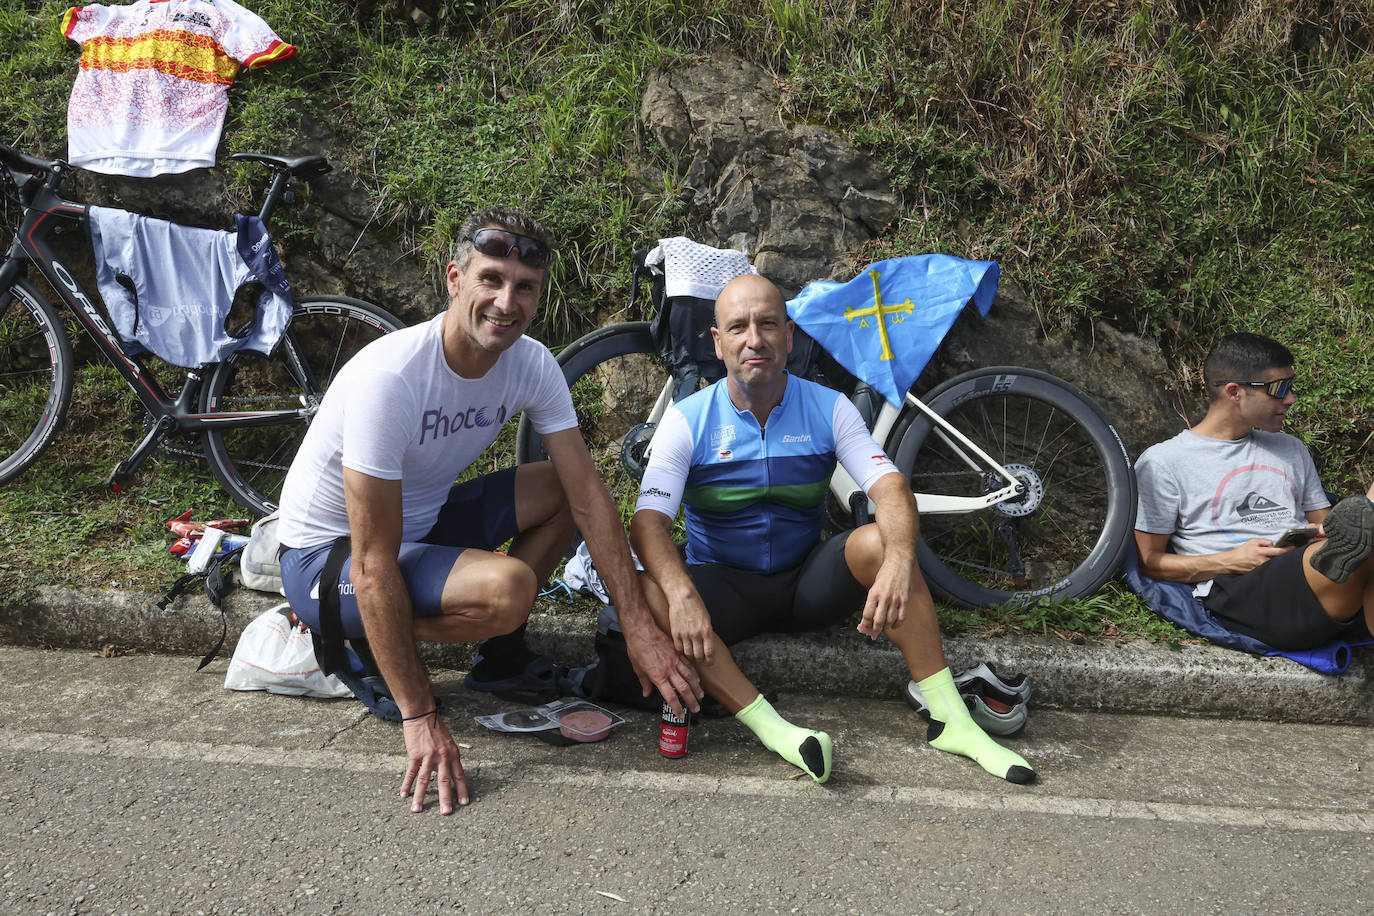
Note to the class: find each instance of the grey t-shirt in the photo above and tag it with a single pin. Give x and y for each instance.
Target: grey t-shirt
(1215, 494)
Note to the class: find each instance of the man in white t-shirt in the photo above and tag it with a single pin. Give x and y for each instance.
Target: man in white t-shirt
(1216, 500)
(398, 425)
(750, 459)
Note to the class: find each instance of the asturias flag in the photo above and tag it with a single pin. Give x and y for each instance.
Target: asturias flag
(884, 325)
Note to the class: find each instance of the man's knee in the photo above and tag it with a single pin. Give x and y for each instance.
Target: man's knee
(498, 594)
(863, 552)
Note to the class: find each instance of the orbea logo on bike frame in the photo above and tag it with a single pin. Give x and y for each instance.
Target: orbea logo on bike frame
(91, 312)
(438, 424)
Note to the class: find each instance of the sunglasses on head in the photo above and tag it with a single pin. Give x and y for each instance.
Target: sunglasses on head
(1278, 388)
(501, 243)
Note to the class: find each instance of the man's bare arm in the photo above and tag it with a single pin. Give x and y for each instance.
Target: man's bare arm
(898, 526)
(651, 651)
(1157, 563)
(651, 535)
(374, 521)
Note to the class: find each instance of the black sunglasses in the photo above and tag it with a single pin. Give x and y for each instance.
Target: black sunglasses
(501, 243)
(1278, 388)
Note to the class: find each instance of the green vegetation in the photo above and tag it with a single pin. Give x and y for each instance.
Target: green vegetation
(1178, 169)
(62, 528)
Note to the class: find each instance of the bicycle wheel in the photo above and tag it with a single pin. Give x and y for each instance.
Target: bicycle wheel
(251, 462)
(615, 377)
(35, 378)
(1066, 535)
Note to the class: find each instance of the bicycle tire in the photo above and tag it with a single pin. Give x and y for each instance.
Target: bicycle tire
(325, 332)
(1070, 531)
(36, 369)
(615, 376)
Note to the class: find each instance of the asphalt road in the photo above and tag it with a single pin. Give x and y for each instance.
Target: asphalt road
(135, 785)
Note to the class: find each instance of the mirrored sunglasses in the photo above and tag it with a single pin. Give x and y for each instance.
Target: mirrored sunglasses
(502, 243)
(1278, 388)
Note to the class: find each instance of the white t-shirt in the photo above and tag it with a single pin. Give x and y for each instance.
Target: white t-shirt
(153, 87)
(398, 411)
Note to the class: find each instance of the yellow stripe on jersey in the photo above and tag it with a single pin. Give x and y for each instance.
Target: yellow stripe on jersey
(198, 58)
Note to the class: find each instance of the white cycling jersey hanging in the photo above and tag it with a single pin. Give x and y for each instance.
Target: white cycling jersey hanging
(885, 324)
(169, 288)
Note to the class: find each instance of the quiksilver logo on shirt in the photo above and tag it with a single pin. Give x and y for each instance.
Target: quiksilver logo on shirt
(1253, 504)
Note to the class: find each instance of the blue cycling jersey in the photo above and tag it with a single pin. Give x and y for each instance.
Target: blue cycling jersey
(754, 498)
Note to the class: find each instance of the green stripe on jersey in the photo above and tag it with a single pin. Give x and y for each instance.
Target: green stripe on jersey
(735, 499)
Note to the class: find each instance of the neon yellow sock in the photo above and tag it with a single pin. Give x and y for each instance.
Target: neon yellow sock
(952, 730)
(801, 747)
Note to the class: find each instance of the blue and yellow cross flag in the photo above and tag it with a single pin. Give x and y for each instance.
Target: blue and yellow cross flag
(884, 325)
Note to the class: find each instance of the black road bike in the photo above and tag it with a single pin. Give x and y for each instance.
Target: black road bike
(250, 412)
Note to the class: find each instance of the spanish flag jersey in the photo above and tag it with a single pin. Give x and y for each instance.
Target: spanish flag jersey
(154, 81)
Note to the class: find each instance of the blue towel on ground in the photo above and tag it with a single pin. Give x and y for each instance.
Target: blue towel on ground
(1175, 601)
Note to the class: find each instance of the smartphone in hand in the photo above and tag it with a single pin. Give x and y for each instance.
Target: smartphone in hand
(1295, 537)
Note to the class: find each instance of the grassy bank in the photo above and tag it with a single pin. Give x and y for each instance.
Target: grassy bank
(1178, 169)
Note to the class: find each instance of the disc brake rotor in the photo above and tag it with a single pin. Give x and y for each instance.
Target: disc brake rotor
(634, 449)
(1031, 496)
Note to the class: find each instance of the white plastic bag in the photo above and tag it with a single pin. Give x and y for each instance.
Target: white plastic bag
(582, 576)
(275, 656)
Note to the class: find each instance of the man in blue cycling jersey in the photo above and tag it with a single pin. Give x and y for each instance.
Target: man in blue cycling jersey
(749, 458)
(400, 422)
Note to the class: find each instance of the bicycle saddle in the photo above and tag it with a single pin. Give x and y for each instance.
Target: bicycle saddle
(306, 167)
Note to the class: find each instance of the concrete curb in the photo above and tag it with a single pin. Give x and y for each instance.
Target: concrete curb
(1133, 677)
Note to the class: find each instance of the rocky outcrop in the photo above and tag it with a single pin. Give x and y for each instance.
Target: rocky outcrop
(796, 199)
(1125, 374)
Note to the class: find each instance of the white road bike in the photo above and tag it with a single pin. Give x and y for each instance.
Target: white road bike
(1025, 488)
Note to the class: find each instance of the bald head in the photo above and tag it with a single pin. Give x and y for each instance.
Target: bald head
(751, 290)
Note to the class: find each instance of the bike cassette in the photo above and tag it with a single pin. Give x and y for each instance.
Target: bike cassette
(634, 449)
(1032, 493)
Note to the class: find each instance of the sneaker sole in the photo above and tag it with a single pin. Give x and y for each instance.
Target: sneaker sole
(1349, 539)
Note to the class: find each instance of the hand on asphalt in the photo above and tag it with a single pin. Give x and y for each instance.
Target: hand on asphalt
(431, 750)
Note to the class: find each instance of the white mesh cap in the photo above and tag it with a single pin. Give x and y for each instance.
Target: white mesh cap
(693, 269)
